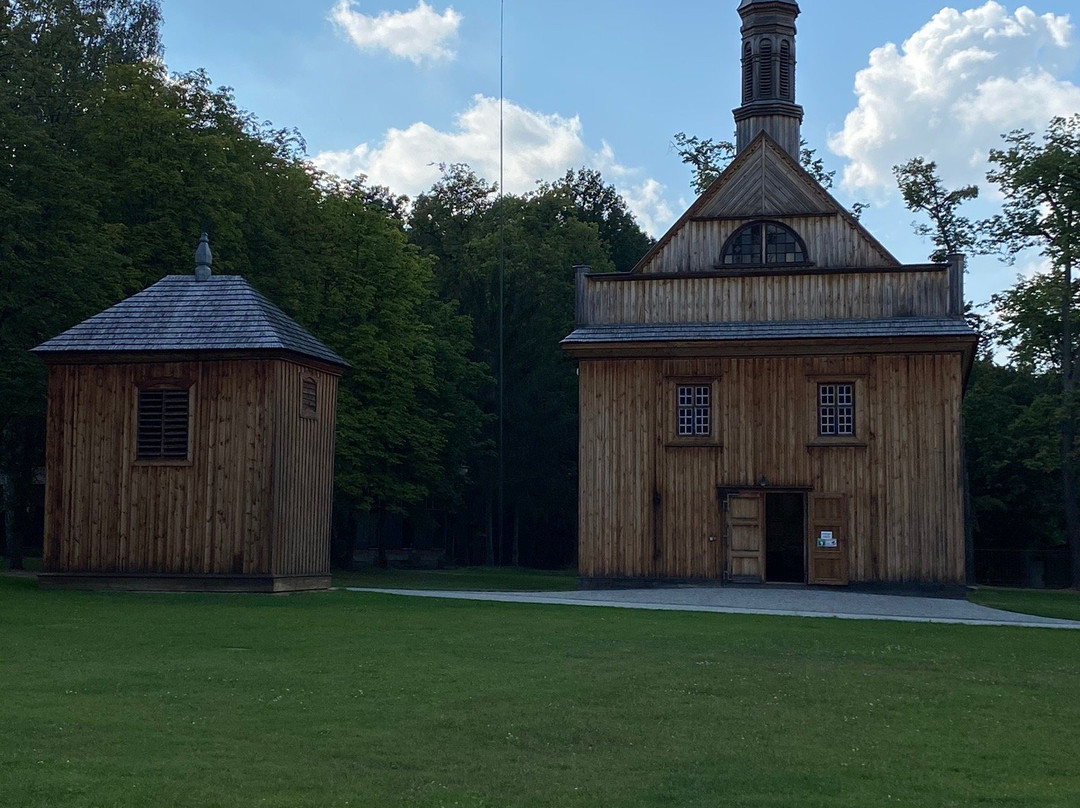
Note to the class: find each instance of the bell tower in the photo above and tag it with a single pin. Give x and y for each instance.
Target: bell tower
(768, 75)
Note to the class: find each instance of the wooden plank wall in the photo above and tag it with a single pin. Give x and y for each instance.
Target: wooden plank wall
(303, 473)
(831, 241)
(107, 513)
(839, 295)
(903, 476)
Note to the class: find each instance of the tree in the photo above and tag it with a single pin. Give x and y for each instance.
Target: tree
(577, 219)
(1039, 179)
(706, 157)
(59, 257)
(923, 191)
(590, 199)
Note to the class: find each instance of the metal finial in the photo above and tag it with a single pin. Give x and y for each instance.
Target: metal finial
(203, 258)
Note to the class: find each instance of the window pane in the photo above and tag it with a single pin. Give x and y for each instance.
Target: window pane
(694, 408)
(761, 243)
(781, 246)
(685, 403)
(745, 246)
(836, 409)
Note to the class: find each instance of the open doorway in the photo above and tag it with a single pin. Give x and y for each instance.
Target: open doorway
(785, 538)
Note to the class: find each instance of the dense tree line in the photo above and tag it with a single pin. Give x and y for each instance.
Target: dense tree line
(109, 170)
(1021, 416)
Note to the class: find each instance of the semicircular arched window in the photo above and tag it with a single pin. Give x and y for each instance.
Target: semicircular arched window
(758, 243)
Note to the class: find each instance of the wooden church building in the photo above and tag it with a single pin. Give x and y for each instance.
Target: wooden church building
(769, 395)
(190, 443)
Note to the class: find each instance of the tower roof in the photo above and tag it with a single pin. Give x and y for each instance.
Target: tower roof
(181, 313)
(748, 3)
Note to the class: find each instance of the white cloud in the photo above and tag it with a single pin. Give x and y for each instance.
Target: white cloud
(951, 89)
(418, 35)
(537, 147)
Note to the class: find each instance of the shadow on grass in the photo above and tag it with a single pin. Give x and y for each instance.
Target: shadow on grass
(482, 579)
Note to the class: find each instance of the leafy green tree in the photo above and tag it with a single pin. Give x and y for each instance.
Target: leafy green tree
(1011, 457)
(577, 219)
(589, 199)
(59, 257)
(706, 157)
(1039, 179)
(923, 191)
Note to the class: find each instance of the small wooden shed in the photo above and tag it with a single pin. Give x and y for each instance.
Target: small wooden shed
(770, 395)
(190, 443)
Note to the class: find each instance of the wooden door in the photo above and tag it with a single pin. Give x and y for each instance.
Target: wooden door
(828, 539)
(746, 537)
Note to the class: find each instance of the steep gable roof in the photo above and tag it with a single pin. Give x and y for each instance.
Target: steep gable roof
(181, 313)
(763, 182)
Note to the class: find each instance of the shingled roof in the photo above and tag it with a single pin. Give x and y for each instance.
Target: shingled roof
(773, 330)
(183, 313)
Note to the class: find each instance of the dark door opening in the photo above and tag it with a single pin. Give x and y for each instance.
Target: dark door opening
(785, 538)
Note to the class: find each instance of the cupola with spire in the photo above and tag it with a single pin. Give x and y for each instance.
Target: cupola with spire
(768, 75)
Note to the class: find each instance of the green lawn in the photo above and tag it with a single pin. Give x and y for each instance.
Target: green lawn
(487, 579)
(352, 699)
(1045, 602)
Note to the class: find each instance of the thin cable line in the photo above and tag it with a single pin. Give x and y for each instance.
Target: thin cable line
(502, 284)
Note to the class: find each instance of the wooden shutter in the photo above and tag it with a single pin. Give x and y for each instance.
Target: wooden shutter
(746, 537)
(309, 398)
(163, 425)
(828, 539)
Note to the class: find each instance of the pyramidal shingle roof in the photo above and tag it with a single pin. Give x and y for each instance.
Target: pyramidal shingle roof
(181, 313)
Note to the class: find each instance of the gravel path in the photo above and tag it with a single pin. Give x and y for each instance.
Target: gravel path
(793, 602)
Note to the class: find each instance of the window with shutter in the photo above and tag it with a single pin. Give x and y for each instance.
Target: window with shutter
(309, 398)
(765, 70)
(748, 74)
(163, 423)
(785, 72)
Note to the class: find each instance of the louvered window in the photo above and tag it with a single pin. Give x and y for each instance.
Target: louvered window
(309, 398)
(748, 74)
(163, 424)
(765, 70)
(785, 71)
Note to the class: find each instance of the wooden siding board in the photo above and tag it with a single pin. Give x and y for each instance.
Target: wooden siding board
(775, 297)
(903, 486)
(107, 513)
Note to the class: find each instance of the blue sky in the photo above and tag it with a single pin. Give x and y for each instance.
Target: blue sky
(391, 88)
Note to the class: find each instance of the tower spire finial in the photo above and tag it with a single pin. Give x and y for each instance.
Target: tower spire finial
(768, 75)
(203, 258)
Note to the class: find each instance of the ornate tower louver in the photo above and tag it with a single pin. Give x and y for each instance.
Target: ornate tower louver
(768, 74)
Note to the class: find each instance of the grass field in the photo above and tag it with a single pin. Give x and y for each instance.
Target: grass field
(485, 579)
(349, 699)
(1045, 602)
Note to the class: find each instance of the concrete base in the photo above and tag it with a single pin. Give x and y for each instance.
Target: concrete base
(150, 582)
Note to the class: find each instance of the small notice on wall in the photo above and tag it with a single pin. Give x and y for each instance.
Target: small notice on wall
(826, 539)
